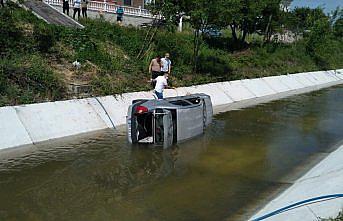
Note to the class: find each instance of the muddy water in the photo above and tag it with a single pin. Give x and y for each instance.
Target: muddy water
(242, 157)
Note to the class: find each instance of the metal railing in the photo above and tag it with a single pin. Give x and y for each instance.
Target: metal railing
(105, 7)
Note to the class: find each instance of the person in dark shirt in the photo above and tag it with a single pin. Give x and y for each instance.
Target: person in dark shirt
(120, 13)
(66, 6)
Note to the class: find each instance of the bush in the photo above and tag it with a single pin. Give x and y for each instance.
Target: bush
(128, 38)
(28, 80)
(214, 62)
(338, 28)
(316, 41)
(179, 46)
(10, 34)
(44, 35)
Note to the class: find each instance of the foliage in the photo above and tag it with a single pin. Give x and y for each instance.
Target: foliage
(254, 17)
(215, 63)
(44, 35)
(302, 19)
(338, 28)
(10, 34)
(28, 80)
(337, 22)
(33, 51)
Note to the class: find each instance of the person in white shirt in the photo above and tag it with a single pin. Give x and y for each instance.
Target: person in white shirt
(161, 84)
(166, 64)
(77, 6)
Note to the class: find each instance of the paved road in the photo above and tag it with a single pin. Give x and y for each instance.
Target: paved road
(50, 14)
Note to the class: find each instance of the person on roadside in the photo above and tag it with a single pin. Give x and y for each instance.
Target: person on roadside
(161, 84)
(155, 68)
(120, 13)
(77, 6)
(166, 64)
(84, 4)
(65, 7)
(2, 3)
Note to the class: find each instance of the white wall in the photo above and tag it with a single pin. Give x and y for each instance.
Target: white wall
(51, 120)
(12, 131)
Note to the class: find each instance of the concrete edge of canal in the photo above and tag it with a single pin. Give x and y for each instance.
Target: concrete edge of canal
(325, 178)
(30, 124)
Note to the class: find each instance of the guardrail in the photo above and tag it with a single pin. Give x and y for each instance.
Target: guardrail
(106, 7)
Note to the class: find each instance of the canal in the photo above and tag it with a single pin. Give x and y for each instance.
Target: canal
(244, 157)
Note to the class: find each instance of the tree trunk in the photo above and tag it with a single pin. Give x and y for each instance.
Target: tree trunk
(233, 30)
(244, 35)
(196, 50)
(244, 31)
(267, 33)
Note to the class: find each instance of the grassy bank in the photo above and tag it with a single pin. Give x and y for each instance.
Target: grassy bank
(36, 58)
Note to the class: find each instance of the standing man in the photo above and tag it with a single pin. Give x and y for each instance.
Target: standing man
(155, 68)
(77, 6)
(84, 4)
(65, 6)
(161, 84)
(120, 13)
(166, 64)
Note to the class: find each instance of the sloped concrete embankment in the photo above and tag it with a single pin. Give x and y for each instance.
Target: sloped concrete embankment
(29, 124)
(326, 178)
(50, 14)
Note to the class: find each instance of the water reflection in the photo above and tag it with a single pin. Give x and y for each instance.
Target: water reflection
(242, 156)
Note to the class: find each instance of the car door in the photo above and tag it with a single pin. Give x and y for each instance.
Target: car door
(168, 129)
(163, 128)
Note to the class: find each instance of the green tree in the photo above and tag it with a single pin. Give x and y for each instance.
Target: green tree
(305, 18)
(270, 21)
(316, 41)
(338, 28)
(337, 22)
(246, 17)
(202, 15)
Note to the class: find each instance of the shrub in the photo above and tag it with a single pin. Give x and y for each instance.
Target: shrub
(129, 38)
(44, 35)
(214, 62)
(10, 34)
(338, 27)
(179, 46)
(28, 80)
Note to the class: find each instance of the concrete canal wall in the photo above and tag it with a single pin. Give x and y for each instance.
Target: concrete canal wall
(326, 178)
(29, 124)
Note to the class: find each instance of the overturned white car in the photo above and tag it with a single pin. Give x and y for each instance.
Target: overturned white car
(168, 121)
